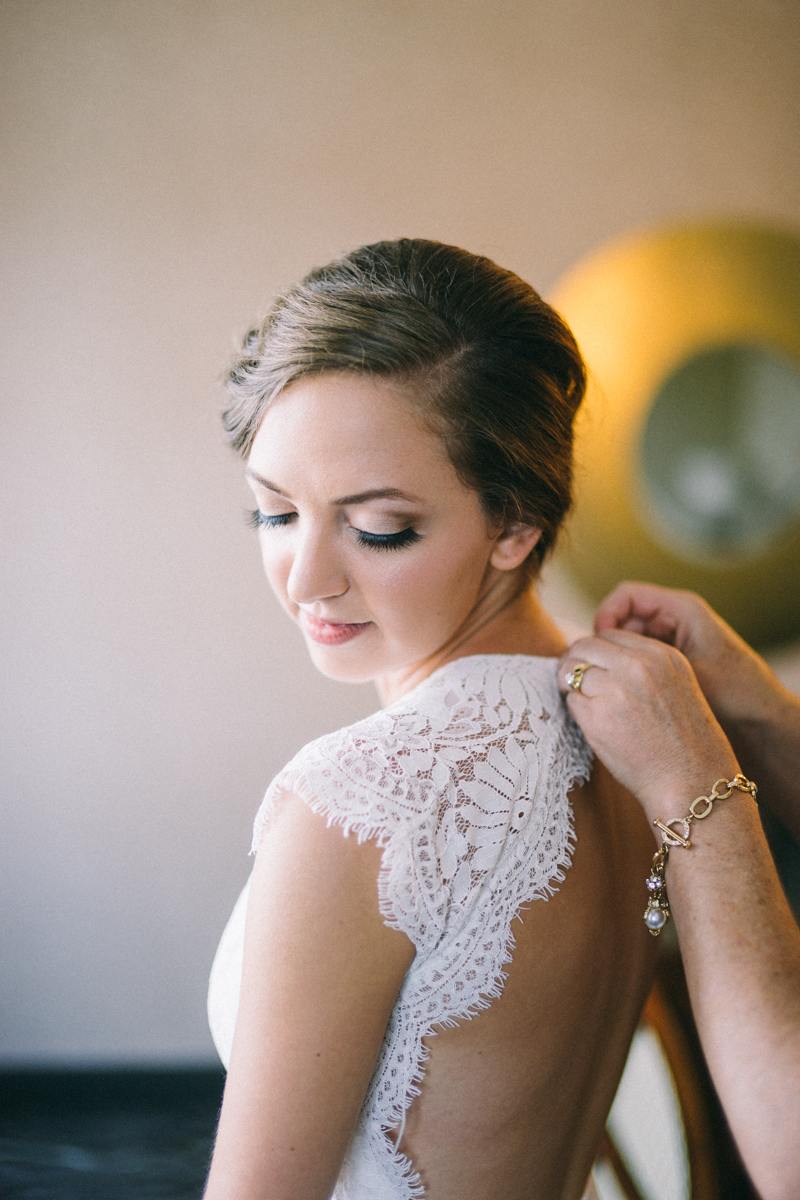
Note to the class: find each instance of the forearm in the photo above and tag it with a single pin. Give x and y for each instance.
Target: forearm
(741, 951)
(768, 747)
(644, 715)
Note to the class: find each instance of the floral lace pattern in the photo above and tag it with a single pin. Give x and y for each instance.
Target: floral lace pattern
(463, 783)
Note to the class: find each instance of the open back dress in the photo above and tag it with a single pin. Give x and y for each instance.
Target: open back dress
(464, 784)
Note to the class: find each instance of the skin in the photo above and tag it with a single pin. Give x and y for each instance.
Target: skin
(513, 1102)
(642, 710)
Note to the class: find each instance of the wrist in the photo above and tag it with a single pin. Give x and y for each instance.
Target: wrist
(676, 833)
(671, 795)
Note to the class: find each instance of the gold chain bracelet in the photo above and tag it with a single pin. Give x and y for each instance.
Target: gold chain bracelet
(657, 912)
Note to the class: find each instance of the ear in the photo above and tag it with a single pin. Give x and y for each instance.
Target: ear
(514, 545)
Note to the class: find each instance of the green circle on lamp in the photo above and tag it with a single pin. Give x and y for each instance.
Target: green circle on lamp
(688, 444)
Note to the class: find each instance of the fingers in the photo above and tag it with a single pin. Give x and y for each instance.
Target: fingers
(605, 653)
(628, 601)
(648, 609)
(629, 640)
(610, 651)
(736, 682)
(641, 710)
(573, 677)
(625, 669)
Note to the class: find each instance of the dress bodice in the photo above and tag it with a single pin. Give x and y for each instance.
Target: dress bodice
(464, 784)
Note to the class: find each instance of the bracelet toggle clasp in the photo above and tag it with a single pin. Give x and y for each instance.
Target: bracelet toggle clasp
(657, 912)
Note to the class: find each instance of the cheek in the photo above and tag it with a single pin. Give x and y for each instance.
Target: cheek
(441, 579)
(277, 565)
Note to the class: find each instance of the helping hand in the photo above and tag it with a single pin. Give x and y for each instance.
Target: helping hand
(738, 685)
(642, 711)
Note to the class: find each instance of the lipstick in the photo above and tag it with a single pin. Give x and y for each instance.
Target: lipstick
(331, 633)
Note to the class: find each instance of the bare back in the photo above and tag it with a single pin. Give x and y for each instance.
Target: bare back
(463, 796)
(513, 1102)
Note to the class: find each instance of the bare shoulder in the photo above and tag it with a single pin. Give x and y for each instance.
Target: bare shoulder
(312, 881)
(321, 973)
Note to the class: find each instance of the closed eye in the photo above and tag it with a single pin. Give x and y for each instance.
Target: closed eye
(387, 541)
(375, 541)
(258, 520)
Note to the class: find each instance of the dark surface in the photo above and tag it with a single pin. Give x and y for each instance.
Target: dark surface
(107, 1135)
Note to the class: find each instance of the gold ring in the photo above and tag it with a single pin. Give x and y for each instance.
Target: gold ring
(574, 678)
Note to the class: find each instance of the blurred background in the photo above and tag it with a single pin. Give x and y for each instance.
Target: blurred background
(169, 165)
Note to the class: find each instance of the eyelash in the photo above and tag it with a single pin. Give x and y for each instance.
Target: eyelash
(387, 541)
(375, 541)
(258, 520)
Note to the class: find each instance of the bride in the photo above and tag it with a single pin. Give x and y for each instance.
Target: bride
(429, 985)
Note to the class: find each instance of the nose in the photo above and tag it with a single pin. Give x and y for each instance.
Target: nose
(316, 572)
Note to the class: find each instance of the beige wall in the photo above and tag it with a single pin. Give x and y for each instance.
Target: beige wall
(168, 164)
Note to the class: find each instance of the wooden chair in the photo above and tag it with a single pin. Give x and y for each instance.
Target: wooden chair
(657, 1144)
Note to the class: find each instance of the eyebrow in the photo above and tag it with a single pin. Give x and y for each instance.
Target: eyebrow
(356, 498)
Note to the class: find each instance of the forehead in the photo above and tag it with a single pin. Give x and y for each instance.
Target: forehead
(344, 433)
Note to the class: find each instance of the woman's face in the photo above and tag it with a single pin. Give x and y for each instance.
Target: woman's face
(369, 539)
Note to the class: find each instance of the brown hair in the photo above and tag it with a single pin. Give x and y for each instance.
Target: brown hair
(495, 369)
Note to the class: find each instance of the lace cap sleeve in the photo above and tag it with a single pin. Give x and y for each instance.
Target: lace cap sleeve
(464, 777)
(376, 780)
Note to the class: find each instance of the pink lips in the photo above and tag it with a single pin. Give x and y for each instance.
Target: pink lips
(330, 633)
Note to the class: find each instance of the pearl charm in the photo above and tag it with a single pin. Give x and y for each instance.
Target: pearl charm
(655, 918)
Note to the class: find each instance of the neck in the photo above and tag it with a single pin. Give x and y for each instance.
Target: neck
(502, 622)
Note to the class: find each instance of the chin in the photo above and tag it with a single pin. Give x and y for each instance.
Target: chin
(335, 663)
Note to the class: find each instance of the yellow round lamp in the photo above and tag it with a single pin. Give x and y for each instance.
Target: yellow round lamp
(688, 444)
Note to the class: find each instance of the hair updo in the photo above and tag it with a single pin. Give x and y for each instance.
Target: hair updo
(494, 370)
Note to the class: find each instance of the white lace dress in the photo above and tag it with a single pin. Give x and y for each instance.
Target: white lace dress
(463, 782)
